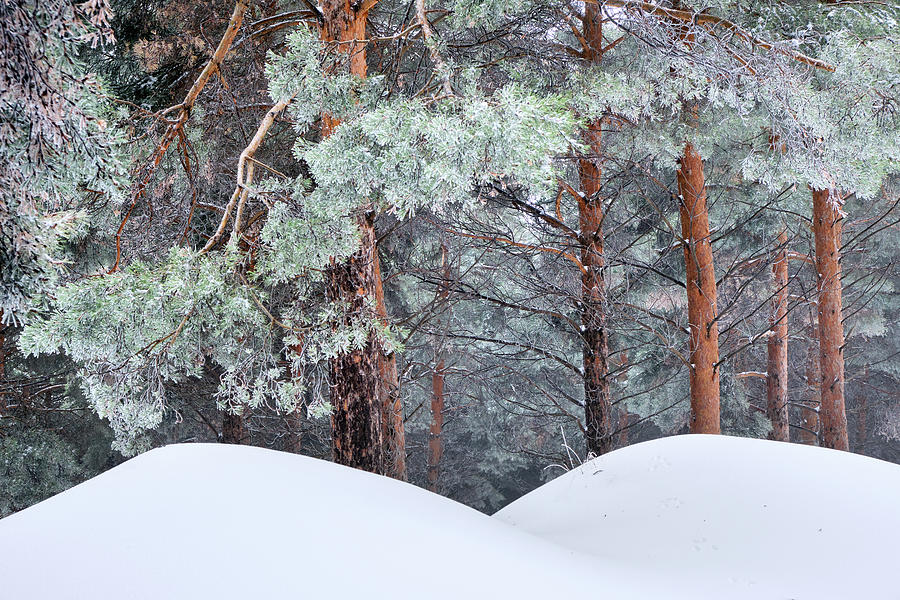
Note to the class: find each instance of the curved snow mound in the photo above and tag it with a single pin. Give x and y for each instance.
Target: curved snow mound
(699, 517)
(724, 517)
(202, 521)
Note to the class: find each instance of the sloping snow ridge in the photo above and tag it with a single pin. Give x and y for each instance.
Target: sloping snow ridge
(730, 518)
(699, 517)
(220, 522)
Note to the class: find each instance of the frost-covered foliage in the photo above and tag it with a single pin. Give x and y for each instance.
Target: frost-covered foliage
(834, 130)
(33, 466)
(406, 155)
(135, 330)
(56, 148)
(483, 160)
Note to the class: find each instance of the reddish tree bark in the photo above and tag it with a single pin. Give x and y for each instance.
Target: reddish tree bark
(777, 366)
(595, 347)
(389, 392)
(827, 220)
(701, 294)
(436, 429)
(367, 422)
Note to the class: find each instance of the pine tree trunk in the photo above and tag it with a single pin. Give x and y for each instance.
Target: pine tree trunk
(436, 430)
(701, 294)
(294, 442)
(355, 377)
(777, 367)
(827, 231)
(862, 417)
(389, 393)
(624, 416)
(367, 422)
(595, 350)
(232, 428)
(809, 412)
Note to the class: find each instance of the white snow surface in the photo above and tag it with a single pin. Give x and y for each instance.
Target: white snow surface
(730, 518)
(700, 517)
(215, 521)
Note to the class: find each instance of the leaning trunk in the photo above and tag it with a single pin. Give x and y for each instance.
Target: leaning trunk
(827, 231)
(701, 294)
(777, 367)
(595, 351)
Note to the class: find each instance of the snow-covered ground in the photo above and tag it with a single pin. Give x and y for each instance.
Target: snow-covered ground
(729, 518)
(689, 517)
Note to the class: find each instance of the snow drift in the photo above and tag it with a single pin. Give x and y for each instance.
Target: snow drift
(208, 521)
(687, 517)
(729, 518)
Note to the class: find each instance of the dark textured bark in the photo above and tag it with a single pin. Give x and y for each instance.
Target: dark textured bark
(367, 422)
(595, 348)
(777, 366)
(293, 442)
(355, 377)
(827, 231)
(232, 428)
(701, 294)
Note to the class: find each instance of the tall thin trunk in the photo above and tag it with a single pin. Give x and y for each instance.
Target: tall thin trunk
(701, 294)
(389, 393)
(595, 349)
(624, 416)
(862, 417)
(827, 219)
(367, 422)
(700, 278)
(436, 429)
(809, 408)
(777, 367)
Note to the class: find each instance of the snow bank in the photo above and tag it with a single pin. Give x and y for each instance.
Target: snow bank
(226, 522)
(699, 517)
(729, 518)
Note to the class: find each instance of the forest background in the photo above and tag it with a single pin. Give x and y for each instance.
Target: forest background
(467, 244)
